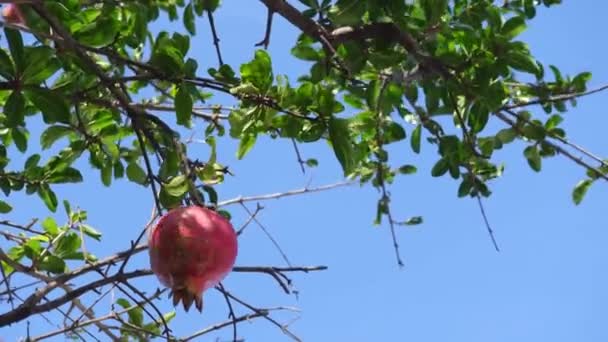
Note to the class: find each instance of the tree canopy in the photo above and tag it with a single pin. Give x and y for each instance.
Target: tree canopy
(100, 81)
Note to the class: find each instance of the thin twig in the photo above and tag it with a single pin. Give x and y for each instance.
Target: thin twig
(267, 233)
(216, 39)
(300, 160)
(231, 314)
(277, 195)
(266, 41)
(258, 208)
(487, 222)
(557, 98)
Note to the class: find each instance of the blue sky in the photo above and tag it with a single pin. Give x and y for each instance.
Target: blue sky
(547, 284)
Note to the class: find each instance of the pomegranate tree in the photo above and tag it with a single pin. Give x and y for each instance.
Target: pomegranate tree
(191, 250)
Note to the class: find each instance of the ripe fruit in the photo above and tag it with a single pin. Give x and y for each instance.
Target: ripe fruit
(191, 250)
(12, 14)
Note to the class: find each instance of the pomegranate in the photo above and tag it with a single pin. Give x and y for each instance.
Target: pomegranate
(191, 250)
(12, 14)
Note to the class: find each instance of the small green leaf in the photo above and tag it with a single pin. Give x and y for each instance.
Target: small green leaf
(136, 174)
(32, 161)
(7, 69)
(415, 139)
(48, 197)
(305, 52)
(5, 207)
(465, 187)
(106, 174)
(50, 226)
(53, 264)
(440, 168)
(14, 108)
(532, 155)
(15, 44)
(20, 136)
(66, 175)
(412, 221)
(245, 145)
(177, 187)
(408, 169)
(52, 134)
(53, 107)
(513, 27)
(343, 148)
(211, 193)
(91, 232)
(40, 64)
(506, 135)
(188, 19)
(580, 190)
(312, 162)
(183, 106)
(393, 132)
(67, 244)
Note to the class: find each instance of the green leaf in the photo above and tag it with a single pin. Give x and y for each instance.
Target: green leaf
(102, 32)
(408, 169)
(183, 106)
(534, 132)
(523, 62)
(7, 69)
(415, 139)
(66, 175)
(40, 64)
(106, 174)
(532, 155)
(14, 108)
(177, 187)
(50, 226)
(580, 190)
(5, 207)
(53, 107)
(312, 162)
(48, 197)
(211, 193)
(32, 161)
(343, 148)
(506, 135)
(412, 221)
(245, 145)
(188, 19)
(440, 168)
(513, 27)
(305, 52)
(211, 5)
(553, 122)
(20, 136)
(136, 174)
(465, 187)
(52, 263)
(67, 244)
(259, 71)
(348, 12)
(91, 232)
(52, 134)
(393, 132)
(15, 45)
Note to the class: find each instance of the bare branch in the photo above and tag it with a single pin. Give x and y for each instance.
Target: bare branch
(277, 195)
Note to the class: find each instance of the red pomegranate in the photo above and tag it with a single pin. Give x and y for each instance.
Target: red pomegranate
(12, 14)
(191, 250)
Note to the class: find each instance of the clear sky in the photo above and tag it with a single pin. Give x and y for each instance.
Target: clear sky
(549, 282)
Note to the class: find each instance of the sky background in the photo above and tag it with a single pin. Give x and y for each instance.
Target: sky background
(549, 282)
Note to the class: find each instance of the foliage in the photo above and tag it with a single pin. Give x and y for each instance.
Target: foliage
(450, 76)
